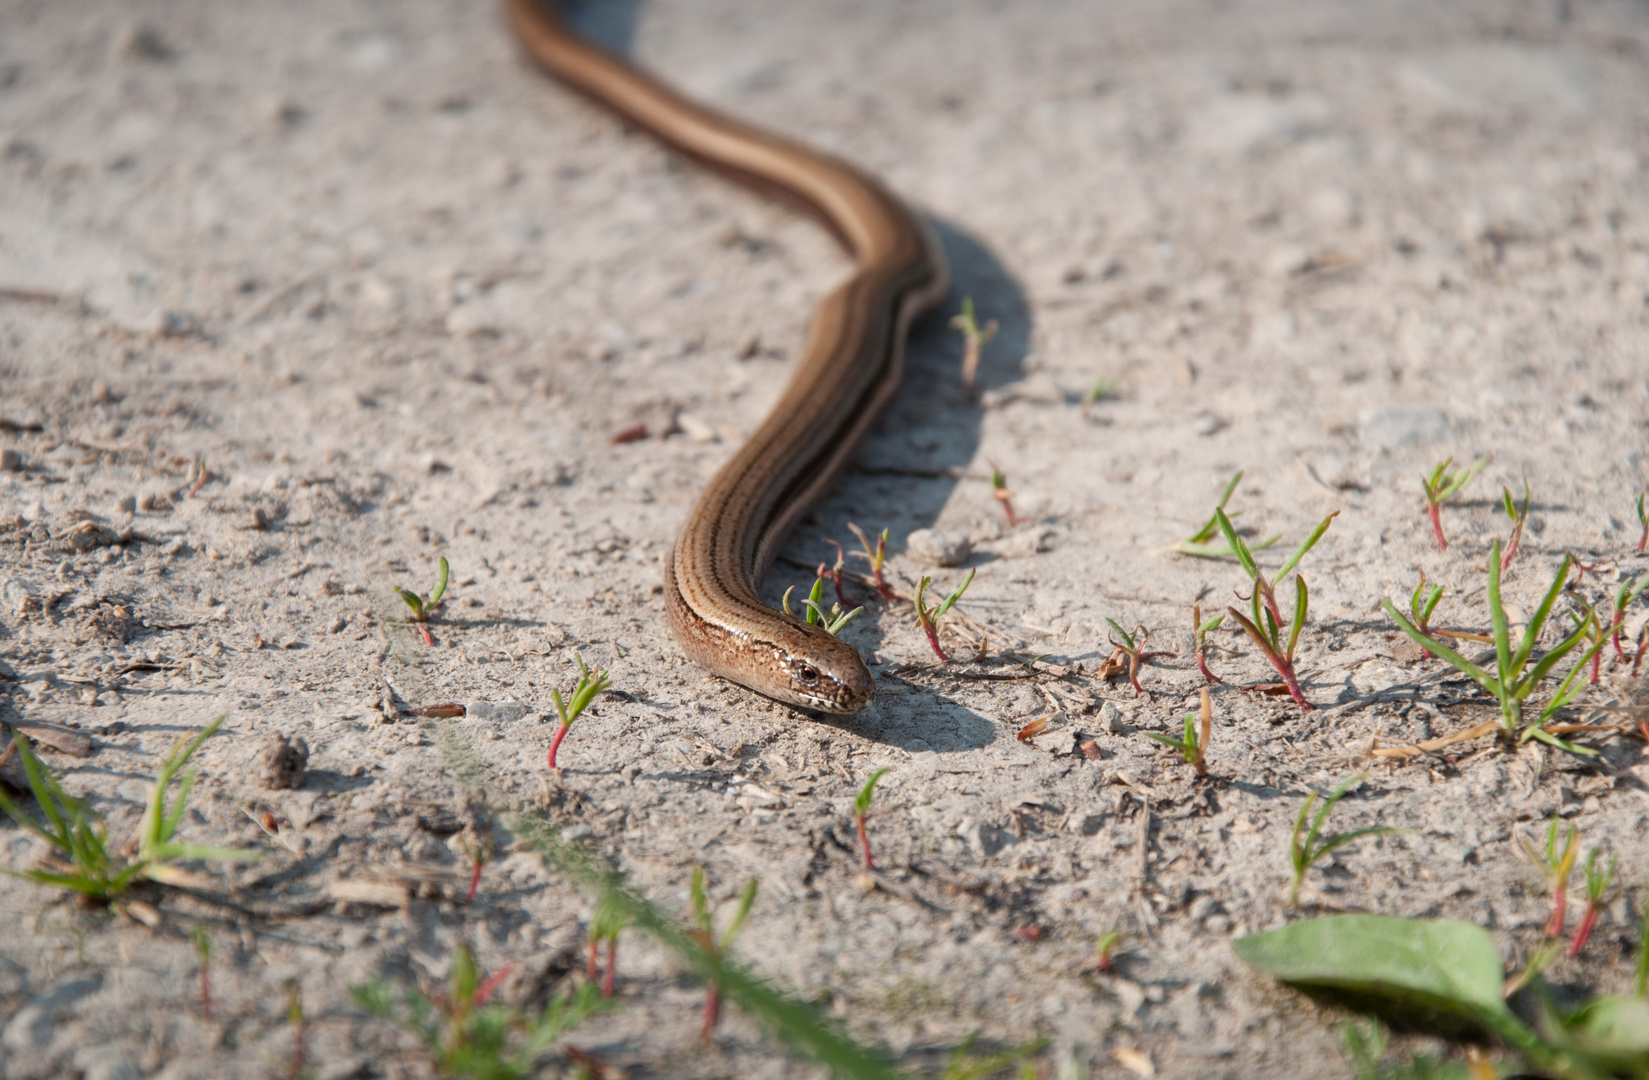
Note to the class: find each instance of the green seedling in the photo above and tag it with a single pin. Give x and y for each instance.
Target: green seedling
(928, 618)
(1556, 866)
(1443, 484)
(1200, 542)
(1200, 631)
(1192, 747)
(1421, 606)
(861, 808)
(1509, 682)
(1600, 883)
(834, 574)
(467, 1036)
(1305, 847)
(1643, 519)
(1105, 948)
(78, 837)
(1628, 592)
(814, 615)
(424, 607)
(299, 1025)
(203, 960)
(1540, 958)
(1000, 492)
(716, 945)
(1520, 517)
(590, 683)
(1131, 649)
(1446, 977)
(1267, 625)
(606, 923)
(974, 338)
(1099, 391)
(875, 556)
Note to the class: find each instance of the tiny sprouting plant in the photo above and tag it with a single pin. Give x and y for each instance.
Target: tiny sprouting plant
(1200, 542)
(198, 475)
(478, 849)
(1509, 682)
(299, 1025)
(833, 573)
(1306, 846)
(1600, 882)
(1099, 391)
(1000, 492)
(1131, 649)
(1192, 746)
(78, 837)
(1106, 947)
(1519, 516)
(875, 556)
(589, 685)
(1267, 625)
(1556, 865)
(1628, 592)
(466, 1035)
(815, 615)
(1200, 630)
(203, 960)
(1643, 519)
(928, 618)
(424, 607)
(974, 338)
(861, 809)
(1444, 484)
(607, 921)
(714, 944)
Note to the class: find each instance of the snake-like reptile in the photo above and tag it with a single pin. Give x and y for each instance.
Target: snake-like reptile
(849, 368)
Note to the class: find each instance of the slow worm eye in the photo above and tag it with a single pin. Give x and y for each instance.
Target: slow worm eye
(807, 673)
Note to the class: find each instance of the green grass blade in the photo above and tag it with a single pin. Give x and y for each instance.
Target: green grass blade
(440, 582)
(1310, 542)
(43, 785)
(950, 601)
(1538, 620)
(1342, 839)
(1240, 549)
(1127, 638)
(15, 812)
(1426, 641)
(1302, 603)
(1497, 619)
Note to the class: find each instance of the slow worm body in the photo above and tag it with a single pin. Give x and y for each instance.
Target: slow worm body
(849, 368)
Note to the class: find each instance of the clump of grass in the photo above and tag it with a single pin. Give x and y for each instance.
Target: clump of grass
(1199, 632)
(423, 608)
(1444, 484)
(815, 615)
(928, 618)
(466, 1035)
(1000, 492)
(974, 338)
(1130, 650)
(1306, 846)
(861, 808)
(1193, 748)
(1267, 625)
(1556, 864)
(1520, 517)
(1200, 543)
(1600, 883)
(716, 944)
(590, 683)
(78, 837)
(875, 556)
(1509, 682)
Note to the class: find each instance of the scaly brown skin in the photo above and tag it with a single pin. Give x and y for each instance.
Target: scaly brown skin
(849, 368)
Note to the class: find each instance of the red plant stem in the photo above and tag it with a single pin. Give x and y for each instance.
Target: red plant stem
(555, 743)
(475, 882)
(1511, 547)
(1286, 670)
(1587, 921)
(590, 968)
(1644, 539)
(1554, 928)
(424, 630)
(1614, 630)
(864, 840)
(712, 1012)
(1437, 526)
(1202, 666)
(1007, 508)
(933, 639)
(204, 476)
(612, 967)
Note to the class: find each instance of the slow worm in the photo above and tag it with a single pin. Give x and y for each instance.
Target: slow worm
(849, 368)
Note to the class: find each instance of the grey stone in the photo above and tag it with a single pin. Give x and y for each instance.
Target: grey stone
(497, 712)
(10, 460)
(31, 1026)
(282, 763)
(1111, 717)
(937, 548)
(1399, 426)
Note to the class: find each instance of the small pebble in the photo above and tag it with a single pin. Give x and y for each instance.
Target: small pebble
(937, 548)
(1111, 716)
(282, 763)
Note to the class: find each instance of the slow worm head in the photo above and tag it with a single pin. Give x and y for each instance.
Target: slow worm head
(849, 368)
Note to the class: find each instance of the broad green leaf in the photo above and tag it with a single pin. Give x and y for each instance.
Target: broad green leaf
(1613, 1030)
(1390, 965)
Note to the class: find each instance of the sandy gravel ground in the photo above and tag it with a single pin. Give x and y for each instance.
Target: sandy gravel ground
(391, 293)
